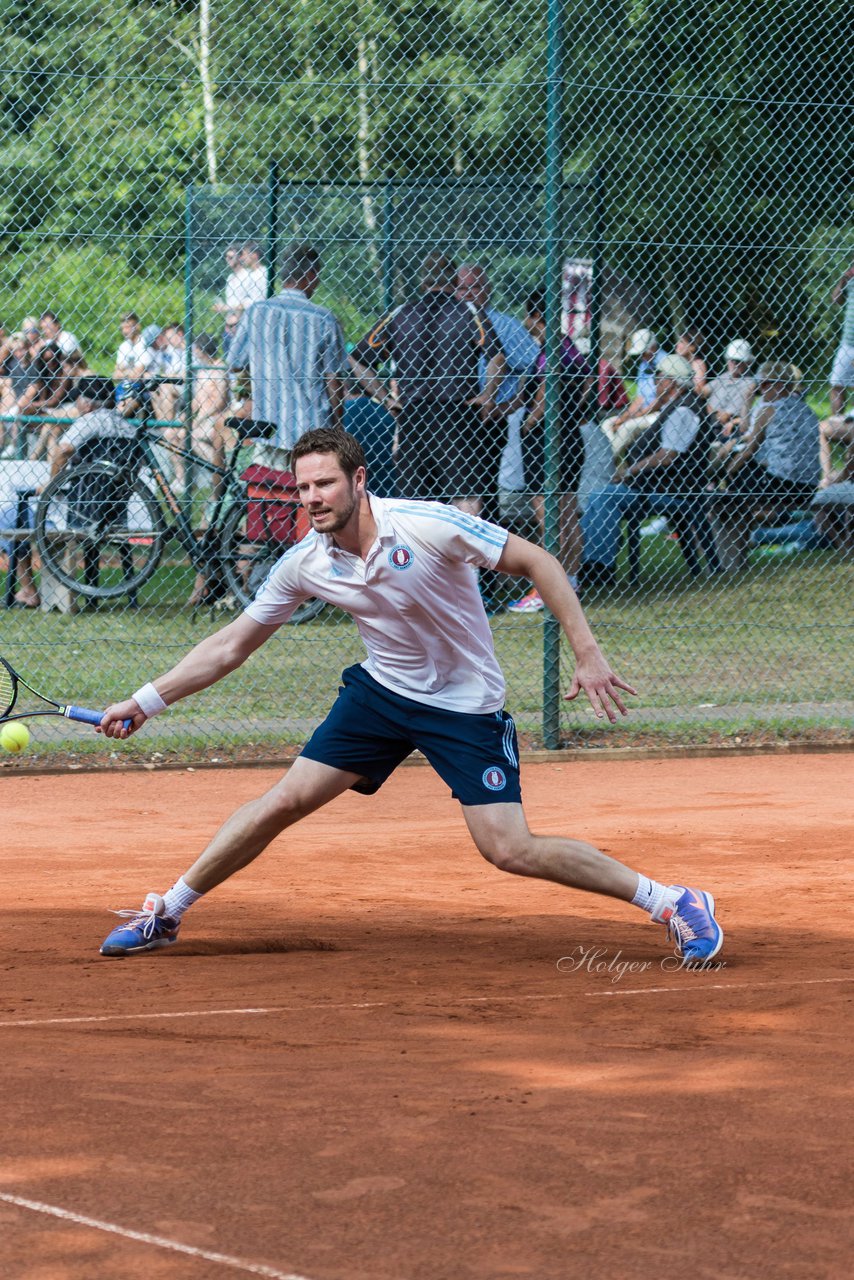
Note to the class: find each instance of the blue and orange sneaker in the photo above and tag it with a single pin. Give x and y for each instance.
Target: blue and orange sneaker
(689, 915)
(146, 930)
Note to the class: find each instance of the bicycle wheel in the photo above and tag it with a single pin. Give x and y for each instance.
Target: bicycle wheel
(99, 530)
(247, 561)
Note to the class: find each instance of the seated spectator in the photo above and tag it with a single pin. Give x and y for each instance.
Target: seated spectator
(99, 432)
(574, 388)
(133, 358)
(642, 411)
(232, 320)
(839, 428)
(662, 469)
(598, 469)
(44, 396)
(689, 345)
(778, 466)
(23, 475)
(730, 394)
(18, 373)
(76, 367)
(211, 392)
(52, 331)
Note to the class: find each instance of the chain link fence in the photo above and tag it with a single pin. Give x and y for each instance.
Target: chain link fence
(622, 232)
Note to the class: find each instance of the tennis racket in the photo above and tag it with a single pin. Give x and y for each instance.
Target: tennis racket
(10, 686)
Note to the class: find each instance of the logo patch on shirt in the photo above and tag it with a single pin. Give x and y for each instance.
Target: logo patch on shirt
(495, 779)
(400, 557)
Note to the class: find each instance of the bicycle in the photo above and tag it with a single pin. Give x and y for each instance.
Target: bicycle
(102, 523)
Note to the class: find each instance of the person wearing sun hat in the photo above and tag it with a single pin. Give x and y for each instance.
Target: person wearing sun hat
(731, 393)
(641, 413)
(668, 461)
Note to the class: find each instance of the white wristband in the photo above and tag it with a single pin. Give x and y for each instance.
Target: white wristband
(149, 700)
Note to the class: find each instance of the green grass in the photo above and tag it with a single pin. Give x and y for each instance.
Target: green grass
(759, 653)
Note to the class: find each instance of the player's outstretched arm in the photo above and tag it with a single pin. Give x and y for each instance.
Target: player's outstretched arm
(210, 660)
(593, 674)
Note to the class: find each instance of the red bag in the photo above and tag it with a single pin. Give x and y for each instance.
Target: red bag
(273, 512)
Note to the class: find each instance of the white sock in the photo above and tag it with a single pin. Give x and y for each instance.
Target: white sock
(650, 895)
(178, 899)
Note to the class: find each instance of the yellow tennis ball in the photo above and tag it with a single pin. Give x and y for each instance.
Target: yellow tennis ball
(14, 737)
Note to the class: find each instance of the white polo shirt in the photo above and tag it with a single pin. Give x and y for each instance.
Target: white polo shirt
(415, 600)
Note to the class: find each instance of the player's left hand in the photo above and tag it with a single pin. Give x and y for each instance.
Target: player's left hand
(602, 686)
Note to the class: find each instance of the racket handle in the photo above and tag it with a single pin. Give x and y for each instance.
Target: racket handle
(89, 717)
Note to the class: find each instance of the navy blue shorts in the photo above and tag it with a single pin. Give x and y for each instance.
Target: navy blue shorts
(371, 730)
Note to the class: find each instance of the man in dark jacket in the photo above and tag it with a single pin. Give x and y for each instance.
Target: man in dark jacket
(449, 440)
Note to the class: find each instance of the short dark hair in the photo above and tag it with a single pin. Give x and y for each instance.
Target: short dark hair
(99, 390)
(346, 448)
(207, 344)
(298, 261)
(130, 315)
(438, 271)
(49, 315)
(535, 303)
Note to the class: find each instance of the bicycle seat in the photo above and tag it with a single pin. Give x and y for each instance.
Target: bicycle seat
(252, 428)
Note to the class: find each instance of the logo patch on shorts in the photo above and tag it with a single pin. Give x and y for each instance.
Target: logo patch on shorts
(400, 557)
(495, 779)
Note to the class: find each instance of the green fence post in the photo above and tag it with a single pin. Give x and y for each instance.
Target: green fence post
(554, 284)
(189, 324)
(388, 245)
(273, 218)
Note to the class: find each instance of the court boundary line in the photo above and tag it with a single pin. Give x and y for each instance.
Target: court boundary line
(385, 1004)
(144, 1237)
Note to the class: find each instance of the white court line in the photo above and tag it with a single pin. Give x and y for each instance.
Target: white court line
(721, 986)
(160, 1242)
(686, 989)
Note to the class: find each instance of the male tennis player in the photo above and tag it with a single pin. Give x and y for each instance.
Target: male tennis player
(406, 571)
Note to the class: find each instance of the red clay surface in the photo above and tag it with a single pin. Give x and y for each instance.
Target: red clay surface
(428, 1096)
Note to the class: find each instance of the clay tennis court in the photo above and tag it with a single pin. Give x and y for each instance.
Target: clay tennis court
(364, 1062)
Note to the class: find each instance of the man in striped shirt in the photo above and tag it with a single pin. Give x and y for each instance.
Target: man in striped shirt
(294, 351)
(406, 572)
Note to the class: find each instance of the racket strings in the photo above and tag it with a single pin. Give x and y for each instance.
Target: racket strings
(7, 690)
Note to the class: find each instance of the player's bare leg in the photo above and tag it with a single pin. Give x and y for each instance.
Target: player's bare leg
(501, 833)
(307, 786)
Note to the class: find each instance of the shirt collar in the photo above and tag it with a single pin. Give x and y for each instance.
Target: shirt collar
(385, 531)
(293, 293)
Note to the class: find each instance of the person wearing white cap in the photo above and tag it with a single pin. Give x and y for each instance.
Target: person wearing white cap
(661, 470)
(641, 413)
(731, 393)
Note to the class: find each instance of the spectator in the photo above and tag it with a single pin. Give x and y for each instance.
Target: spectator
(253, 282)
(44, 396)
(52, 331)
(662, 467)
(520, 351)
(840, 430)
(374, 427)
(611, 397)
(689, 345)
(779, 463)
(730, 394)
(842, 373)
(99, 432)
(167, 360)
(575, 382)
(18, 373)
(643, 410)
(133, 358)
(294, 351)
(208, 435)
(14, 478)
(449, 443)
(235, 271)
(232, 320)
(76, 369)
